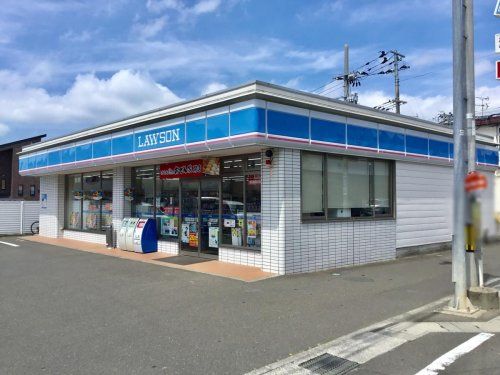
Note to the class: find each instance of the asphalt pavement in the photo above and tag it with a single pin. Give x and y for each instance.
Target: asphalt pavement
(64, 311)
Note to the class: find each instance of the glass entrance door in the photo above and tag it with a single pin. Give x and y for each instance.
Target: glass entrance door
(200, 217)
(190, 216)
(209, 210)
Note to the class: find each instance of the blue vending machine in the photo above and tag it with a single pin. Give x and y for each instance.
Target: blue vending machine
(145, 238)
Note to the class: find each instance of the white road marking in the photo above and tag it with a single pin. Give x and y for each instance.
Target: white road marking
(379, 338)
(448, 358)
(10, 244)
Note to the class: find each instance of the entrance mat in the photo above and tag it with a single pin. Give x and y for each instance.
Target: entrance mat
(183, 260)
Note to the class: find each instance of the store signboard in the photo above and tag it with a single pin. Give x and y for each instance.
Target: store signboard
(497, 64)
(496, 12)
(190, 168)
(497, 43)
(159, 138)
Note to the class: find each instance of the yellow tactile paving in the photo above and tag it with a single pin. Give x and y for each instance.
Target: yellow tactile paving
(212, 267)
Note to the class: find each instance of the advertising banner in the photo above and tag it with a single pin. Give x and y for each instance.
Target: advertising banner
(190, 168)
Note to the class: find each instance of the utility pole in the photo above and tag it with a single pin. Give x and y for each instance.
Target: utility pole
(346, 72)
(472, 258)
(483, 105)
(459, 276)
(397, 58)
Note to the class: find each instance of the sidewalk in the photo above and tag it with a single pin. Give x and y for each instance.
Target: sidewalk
(211, 267)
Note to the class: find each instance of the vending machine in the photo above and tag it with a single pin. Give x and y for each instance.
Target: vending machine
(122, 234)
(145, 238)
(129, 235)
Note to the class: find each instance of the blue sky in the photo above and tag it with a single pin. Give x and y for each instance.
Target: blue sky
(67, 65)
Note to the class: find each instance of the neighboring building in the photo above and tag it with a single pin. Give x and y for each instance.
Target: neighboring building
(260, 175)
(489, 126)
(12, 185)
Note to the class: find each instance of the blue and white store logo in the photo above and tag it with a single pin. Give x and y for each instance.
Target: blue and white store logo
(158, 138)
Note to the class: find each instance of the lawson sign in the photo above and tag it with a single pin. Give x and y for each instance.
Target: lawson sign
(160, 137)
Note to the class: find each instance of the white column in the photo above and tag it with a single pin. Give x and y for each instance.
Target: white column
(121, 207)
(52, 217)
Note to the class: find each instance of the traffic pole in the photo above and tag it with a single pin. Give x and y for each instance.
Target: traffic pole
(459, 160)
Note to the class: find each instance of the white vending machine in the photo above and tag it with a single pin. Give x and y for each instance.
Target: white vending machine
(129, 234)
(122, 234)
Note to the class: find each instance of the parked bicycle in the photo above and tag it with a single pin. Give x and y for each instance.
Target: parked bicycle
(35, 228)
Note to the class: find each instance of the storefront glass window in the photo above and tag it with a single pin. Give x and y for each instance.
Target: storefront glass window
(253, 208)
(144, 196)
(235, 195)
(355, 187)
(167, 210)
(312, 185)
(234, 164)
(107, 199)
(348, 187)
(89, 201)
(233, 210)
(74, 202)
(382, 188)
(92, 194)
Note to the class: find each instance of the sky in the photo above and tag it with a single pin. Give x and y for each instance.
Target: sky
(68, 65)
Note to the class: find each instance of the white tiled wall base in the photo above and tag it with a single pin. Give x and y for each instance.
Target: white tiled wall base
(290, 246)
(240, 256)
(170, 247)
(85, 236)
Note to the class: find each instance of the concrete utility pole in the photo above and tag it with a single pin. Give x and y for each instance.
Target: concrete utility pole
(347, 94)
(459, 276)
(397, 58)
(472, 258)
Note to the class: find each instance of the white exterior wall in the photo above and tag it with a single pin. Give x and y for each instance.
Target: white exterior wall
(52, 217)
(424, 204)
(290, 246)
(97, 238)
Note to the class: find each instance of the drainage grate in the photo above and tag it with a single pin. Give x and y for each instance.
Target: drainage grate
(328, 364)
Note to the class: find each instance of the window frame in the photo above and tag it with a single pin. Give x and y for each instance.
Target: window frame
(101, 230)
(324, 217)
(32, 190)
(20, 190)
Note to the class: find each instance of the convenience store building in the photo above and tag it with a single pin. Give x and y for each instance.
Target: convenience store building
(260, 175)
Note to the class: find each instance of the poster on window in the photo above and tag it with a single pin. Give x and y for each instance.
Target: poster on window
(91, 221)
(252, 228)
(74, 219)
(43, 200)
(236, 238)
(185, 233)
(213, 237)
(193, 238)
(169, 226)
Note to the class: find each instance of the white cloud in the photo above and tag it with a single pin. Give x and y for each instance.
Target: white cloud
(213, 87)
(206, 6)
(89, 101)
(149, 29)
(77, 37)
(184, 11)
(4, 130)
(427, 107)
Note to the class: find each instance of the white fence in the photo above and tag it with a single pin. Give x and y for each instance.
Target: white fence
(16, 217)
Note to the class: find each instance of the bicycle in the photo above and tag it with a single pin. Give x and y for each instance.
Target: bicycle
(35, 227)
